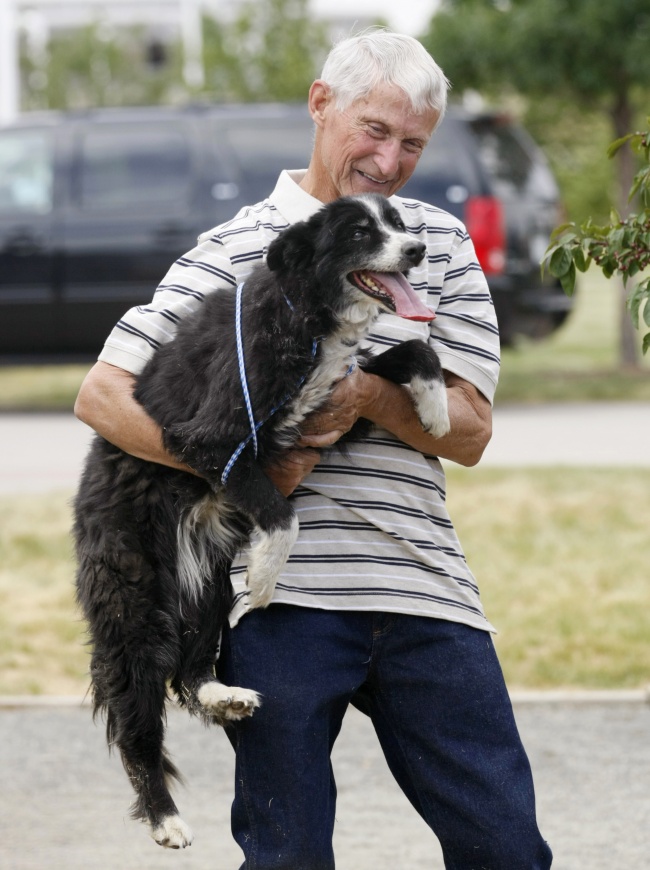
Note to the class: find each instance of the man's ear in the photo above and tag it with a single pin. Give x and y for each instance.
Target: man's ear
(293, 249)
(320, 96)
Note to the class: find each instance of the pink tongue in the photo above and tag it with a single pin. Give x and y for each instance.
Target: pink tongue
(407, 303)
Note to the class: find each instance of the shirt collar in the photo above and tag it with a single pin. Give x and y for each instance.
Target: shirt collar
(294, 203)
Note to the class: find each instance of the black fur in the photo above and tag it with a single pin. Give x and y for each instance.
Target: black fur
(148, 627)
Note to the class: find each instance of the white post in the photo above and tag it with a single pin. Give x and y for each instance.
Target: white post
(9, 74)
(192, 34)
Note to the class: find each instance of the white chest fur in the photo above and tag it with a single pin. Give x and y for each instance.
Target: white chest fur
(336, 352)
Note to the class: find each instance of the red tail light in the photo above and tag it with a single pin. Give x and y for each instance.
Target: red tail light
(485, 224)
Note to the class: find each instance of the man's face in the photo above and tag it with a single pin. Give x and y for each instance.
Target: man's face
(373, 146)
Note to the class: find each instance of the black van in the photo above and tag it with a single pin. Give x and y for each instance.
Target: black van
(95, 206)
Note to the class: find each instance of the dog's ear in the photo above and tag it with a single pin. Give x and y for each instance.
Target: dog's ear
(292, 250)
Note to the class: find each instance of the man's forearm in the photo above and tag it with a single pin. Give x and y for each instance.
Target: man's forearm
(469, 413)
(106, 404)
(390, 406)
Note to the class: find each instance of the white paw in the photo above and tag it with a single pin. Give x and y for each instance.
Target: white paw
(267, 557)
(172, 833)
(430, 399)
(227, 702)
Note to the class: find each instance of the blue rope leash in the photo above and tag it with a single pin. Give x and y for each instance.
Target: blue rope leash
(255, 427)
(242, 366)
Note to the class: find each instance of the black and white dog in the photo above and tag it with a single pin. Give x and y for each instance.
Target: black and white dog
(154, 545)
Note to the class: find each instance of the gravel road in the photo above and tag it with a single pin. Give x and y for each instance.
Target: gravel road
(64, 801)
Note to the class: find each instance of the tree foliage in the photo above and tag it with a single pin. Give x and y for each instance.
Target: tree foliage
(589, 52)
(593, 48)
(270, 50)
(620, 247)
(98, 66)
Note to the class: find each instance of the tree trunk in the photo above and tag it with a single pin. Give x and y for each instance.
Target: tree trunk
(622, 119)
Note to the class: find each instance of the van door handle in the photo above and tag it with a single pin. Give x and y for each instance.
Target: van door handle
(22, 243)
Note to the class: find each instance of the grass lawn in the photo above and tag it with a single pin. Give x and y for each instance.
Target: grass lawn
(561, 560)
(579, 361)
(560, 557)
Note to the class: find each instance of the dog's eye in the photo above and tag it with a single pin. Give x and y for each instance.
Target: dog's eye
(358, 234)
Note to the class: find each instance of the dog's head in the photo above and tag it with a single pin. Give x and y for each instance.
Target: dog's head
(355, 250)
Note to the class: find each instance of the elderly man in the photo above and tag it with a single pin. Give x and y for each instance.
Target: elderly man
(377, 606)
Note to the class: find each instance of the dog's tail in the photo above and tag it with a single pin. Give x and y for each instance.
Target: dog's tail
(208, 535)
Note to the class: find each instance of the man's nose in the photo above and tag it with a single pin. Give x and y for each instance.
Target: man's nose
(387, 157)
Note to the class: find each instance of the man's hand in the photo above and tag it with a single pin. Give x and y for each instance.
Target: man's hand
(390, 406)
(291, 469)
(348, 401)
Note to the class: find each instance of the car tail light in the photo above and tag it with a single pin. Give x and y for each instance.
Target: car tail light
(485, 224)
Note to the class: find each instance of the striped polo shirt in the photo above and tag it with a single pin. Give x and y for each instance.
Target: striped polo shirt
(375, 533)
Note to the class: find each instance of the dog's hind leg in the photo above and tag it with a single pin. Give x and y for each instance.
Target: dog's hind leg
(195, 683)
(135, 650)
(415, 363)
(275, 527)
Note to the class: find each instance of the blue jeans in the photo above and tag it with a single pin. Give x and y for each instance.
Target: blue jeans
(436, 696)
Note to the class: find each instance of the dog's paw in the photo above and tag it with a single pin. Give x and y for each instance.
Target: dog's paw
(430, 399)
(172, 833)
(227, 703)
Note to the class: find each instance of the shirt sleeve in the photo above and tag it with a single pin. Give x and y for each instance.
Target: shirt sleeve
(465, 332)
(143, 329)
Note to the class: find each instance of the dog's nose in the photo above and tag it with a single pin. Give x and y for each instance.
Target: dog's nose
(414, 251)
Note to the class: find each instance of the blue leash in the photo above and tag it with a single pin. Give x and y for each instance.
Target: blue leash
(244, 383)
(242, 366)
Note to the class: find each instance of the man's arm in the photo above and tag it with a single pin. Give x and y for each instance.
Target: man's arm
(390, 406)
(106, 404)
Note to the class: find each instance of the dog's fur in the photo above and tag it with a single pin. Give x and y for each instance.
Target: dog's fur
(154, 544)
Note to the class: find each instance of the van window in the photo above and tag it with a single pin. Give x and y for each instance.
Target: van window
(448, 159)
(134, 166)
(26, 172)
(264, 147)
(502, 154)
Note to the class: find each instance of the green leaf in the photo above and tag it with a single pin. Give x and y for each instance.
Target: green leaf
(561, 262)
(646, 342)
(582, 262)
(607, 269)
(633, 269)
(557, 232)
(568, 280)
(618, 144)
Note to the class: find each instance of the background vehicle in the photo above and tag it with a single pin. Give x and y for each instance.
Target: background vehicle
(95, 206)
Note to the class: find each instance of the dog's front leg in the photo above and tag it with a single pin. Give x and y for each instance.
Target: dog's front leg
(275, 526)
(416, 363)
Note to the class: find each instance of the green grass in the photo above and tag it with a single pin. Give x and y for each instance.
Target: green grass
(577, 363)
(40, 388)
(561, 560)
(560, 556)
(41, 635)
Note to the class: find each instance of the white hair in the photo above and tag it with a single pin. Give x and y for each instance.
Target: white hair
(357, 64)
